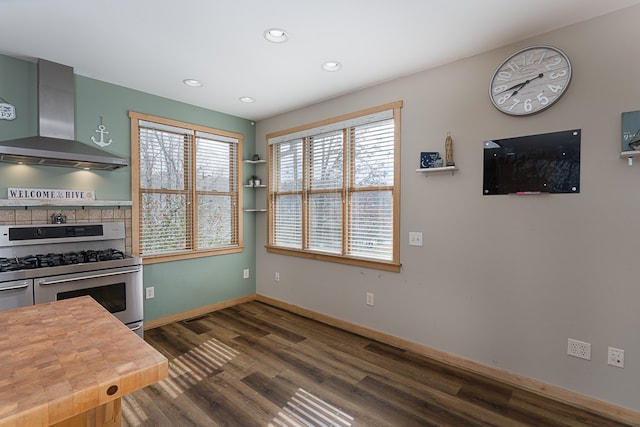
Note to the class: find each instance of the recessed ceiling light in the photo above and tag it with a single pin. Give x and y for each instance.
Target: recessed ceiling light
(247, 99)
(192, 82)
(331, 66)
(276, 35)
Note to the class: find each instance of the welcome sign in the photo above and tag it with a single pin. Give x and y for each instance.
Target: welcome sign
(48, 194)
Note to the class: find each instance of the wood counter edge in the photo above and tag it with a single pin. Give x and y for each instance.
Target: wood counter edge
(68, 406)
(146, 367)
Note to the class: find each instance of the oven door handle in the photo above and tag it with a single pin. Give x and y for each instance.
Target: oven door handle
(91, 276)
(136, 328)
(13, 288)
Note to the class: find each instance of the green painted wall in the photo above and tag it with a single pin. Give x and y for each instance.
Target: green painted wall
(179, 285)
(18, 88)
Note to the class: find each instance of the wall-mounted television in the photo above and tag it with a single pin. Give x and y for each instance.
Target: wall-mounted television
(544, 163)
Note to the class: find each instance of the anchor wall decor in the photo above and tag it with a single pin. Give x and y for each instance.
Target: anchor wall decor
(102, 131)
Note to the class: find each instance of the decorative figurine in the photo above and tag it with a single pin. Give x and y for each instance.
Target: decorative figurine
(448, 150)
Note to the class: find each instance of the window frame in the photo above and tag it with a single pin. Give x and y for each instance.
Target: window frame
(394, 264)
(137, 193)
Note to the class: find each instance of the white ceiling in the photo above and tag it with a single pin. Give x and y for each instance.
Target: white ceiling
(152, 45)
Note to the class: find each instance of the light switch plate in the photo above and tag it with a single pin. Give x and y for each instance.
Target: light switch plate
(415, 238)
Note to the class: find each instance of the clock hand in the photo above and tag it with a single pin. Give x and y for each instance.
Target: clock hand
(523, 84)
(519, 86)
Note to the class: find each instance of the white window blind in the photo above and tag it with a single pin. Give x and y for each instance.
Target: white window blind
(188, 189)
(216, 192)
(164, 184)
(371, 197)
(325, 183)
(333, 126)
(334, 187)
(288, 196)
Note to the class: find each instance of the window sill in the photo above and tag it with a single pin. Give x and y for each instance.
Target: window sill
(358, 262)
(154, 259)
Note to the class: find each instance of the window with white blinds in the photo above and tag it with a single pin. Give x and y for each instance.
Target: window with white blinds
(334, 189)
(187, 192)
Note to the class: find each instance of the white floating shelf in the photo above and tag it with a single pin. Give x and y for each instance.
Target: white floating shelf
(254, 210)
(451, 169)
(254, 161)
(106, 203)
(627, 154)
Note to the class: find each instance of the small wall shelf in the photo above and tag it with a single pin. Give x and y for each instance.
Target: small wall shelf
(629, 155)
(65, 203)
(626, 154)
(254, 162)
(427, 171)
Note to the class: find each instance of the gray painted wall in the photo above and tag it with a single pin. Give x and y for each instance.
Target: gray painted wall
(179, 285)
(502, 280)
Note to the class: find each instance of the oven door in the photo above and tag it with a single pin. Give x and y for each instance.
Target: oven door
(119, 290)
(14, 294)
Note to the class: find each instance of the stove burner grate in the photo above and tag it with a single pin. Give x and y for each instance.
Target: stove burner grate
(55, 259)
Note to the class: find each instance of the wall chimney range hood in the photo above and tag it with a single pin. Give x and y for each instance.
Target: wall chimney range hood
(55, 145)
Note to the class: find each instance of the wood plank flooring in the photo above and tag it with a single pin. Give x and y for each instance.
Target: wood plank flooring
(257, 365)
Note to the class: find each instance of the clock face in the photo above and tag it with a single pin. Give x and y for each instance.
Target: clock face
(530, 80)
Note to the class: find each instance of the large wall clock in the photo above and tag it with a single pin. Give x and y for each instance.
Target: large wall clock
(530, 80)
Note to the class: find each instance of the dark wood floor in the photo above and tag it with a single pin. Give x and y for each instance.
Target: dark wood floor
(256, 365)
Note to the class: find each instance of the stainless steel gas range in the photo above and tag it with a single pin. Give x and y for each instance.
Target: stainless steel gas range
(50, 262)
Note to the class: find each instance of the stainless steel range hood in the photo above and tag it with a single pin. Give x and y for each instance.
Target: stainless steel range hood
(55, 145)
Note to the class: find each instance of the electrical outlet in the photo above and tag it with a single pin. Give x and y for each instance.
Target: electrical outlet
(579, 349)
(616, 357)
(245, 273)
(150, 292)
(369, 298)
(415, 238)
(277, 277)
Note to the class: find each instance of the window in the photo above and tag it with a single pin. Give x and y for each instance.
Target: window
(334, 189)
(185, 189)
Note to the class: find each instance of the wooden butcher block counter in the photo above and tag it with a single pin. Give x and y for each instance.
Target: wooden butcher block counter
(68, 363)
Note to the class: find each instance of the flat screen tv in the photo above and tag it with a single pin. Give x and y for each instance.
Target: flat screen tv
(545, 163)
